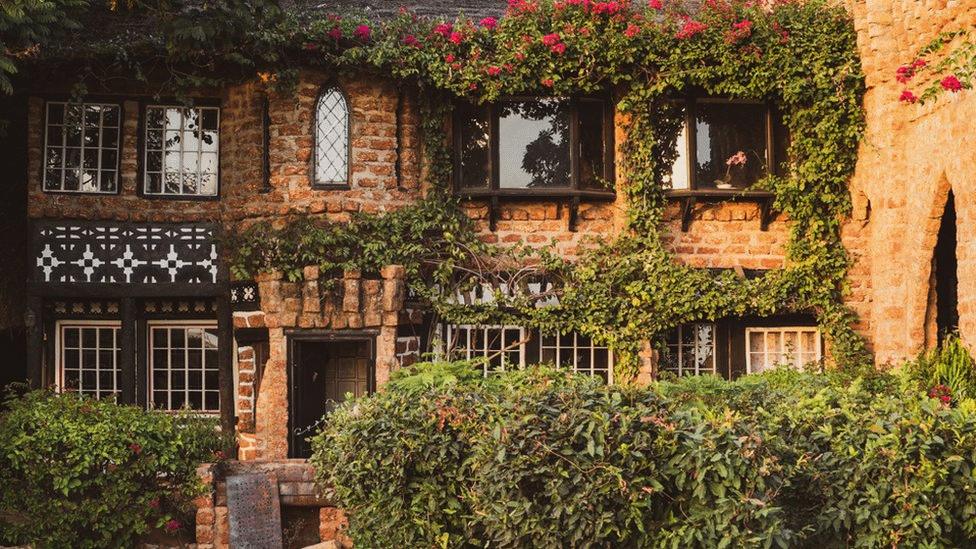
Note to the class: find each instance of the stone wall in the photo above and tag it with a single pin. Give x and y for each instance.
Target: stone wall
(911, 157)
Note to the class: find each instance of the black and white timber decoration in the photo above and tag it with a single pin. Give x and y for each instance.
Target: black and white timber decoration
(103, 252)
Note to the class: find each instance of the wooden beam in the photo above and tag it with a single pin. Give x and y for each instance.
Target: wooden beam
(225, 374)
(687, 212)
(127, 351)
(34, 321)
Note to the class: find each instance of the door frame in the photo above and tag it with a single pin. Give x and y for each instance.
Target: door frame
(296, 337)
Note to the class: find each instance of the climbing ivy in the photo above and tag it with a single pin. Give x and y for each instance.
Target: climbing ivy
(801, 55)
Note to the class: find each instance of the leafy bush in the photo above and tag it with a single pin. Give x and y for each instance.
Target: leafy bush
(546, 459)
(950, 365)
(78, 472)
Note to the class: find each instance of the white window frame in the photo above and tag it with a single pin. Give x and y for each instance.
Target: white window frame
(572, 351)
(59, 350)
(99, 149)
(818, 343)
(680, 370)
(150, 358)
(464, 347)
(199, 153)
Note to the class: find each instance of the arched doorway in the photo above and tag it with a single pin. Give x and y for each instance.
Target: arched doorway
(945, 266)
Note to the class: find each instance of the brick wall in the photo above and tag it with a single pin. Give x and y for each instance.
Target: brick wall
(910, 158)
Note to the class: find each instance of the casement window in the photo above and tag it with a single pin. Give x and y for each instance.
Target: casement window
(331, 160)
(691, 349)
(534, 147)
(725, 144)
(183, 370)
(181, 148)
(87, 355)
(575, 352)
(769, 347)
(513, 347)
(501, 347)
(81, 147)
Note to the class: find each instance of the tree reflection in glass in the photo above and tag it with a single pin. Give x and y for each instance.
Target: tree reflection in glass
(533, 148)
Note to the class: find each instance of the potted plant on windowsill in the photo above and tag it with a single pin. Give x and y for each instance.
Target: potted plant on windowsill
(737, 160)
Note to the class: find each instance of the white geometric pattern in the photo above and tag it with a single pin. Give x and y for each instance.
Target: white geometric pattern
(93, 252)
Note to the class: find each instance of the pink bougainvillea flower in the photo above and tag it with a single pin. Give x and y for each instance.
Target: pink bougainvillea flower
(335, 33)
(740, 31)
(136, 448)
(362, 32)
(951, 83)
(631, 31)
(489, 23)
(411, 40)
(493, 71)
(558, 49)
(444, 29)
(172, 525)
(655, 4)
(551, 39)
(548, 82)
(689, 28)
(907, 97)
(608, 8)
(918, 63)
(449, 58)
(904, 74)
(311, 47)
(456, 38)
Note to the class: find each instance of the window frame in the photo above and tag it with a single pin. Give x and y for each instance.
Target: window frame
(149, 368)
(92, 100)
(559, 350)
(716, 347)
(818, 341)
(170, 102)
(59, 348)
(313, 161)
(574, 190)
(484, 354)
(690, 104)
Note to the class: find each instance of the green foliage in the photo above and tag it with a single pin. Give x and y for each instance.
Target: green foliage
(547, 459)
(26, 24)
(950, 365)
(78, 472)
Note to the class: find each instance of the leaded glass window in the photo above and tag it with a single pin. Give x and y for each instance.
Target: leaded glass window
(690, 350)
(500, 347)
(331, 138)
(88, 358)
(183, 366)
(181, 148)
(81, 147)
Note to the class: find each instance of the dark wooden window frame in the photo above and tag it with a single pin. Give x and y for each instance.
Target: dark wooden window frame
(330, 185)
(144, 104)
(692, 195)
(573, 194)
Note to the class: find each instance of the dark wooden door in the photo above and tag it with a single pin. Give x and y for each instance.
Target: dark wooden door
(324, 374)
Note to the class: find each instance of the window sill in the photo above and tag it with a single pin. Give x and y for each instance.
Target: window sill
(331, 187)
(690, 197)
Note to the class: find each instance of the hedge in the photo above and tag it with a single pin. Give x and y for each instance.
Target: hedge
(78, 472)
(545, 459)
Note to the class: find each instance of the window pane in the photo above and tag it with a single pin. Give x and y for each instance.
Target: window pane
(331, 137)
(473, 130)
(88, 360)
(182, 369)
(533, 144)
(592, 146)
(76, 138)
(731, 140)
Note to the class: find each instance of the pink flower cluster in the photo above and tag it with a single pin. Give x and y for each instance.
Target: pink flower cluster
(554, 41)
(907, 97)
(655, 4)
(362, 32)
(690, 28)
(632, 30)
(942, 393)
(489, 23)
(907, 72)
(740, 31)
(951, 83)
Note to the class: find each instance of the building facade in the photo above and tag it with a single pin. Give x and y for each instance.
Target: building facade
(127, 198)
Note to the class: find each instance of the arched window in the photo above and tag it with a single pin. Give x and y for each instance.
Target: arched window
(331, 161)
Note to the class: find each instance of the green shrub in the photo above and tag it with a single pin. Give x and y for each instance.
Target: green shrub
(78, 472)
(546, 459)
(949, 365)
